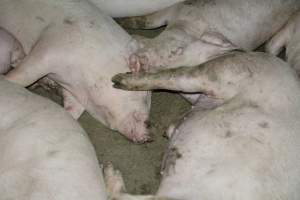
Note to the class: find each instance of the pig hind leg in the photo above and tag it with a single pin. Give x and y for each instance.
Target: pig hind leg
(155, 20)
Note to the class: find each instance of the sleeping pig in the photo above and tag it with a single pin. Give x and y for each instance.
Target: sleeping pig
(200, 30)
(240, 142)
(74, 44)
(45, 154)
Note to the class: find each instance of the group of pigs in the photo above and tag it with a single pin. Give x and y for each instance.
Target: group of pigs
(239, 141)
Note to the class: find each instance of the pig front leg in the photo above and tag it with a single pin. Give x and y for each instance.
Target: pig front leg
(72, 105)
(35, 65)
(280, 39)
(175, 48)
(11, 51)
(288, 37)
(114, 182)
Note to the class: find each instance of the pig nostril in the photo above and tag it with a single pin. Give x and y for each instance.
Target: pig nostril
(148, 124)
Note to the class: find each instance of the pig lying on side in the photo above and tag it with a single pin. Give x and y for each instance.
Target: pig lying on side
(199, 30)
(243, 141)
(80, 48)
(289, 37)
(45, 154)
(121, 8)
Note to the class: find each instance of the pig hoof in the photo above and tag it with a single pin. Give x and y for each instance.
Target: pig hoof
(170, 131)
(119, 81)
(114, 181)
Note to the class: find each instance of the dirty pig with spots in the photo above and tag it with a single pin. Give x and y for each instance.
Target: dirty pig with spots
(121, 8)
(74, 44)
(199, 30)
(289, 37)
(244, 144)
(45, 154)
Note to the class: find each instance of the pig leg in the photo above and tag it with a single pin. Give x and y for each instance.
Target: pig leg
(219, 81)
(179, 79)
(151, 21)
(114, 182)
(46, 55)
(11, 51)
(35, 66)
(72, 105)
(280, 40)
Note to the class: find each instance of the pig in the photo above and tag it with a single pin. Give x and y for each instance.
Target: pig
(74, 44)
(289, 37)
(200, 30)
(242, 141)
(121, 8)
(45, 154)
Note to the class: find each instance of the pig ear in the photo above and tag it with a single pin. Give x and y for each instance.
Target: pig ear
(217, 39)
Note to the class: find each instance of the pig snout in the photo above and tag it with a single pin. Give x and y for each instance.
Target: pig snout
(135, 128)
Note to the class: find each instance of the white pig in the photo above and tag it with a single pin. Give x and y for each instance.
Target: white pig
(243, 142)
(45, 154)
(199, 30)
(289, 37)
(127, 8)
(80, 48)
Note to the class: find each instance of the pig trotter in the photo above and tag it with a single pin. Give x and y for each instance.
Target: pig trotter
(119, 81)
(71, 104)
(114, 181)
